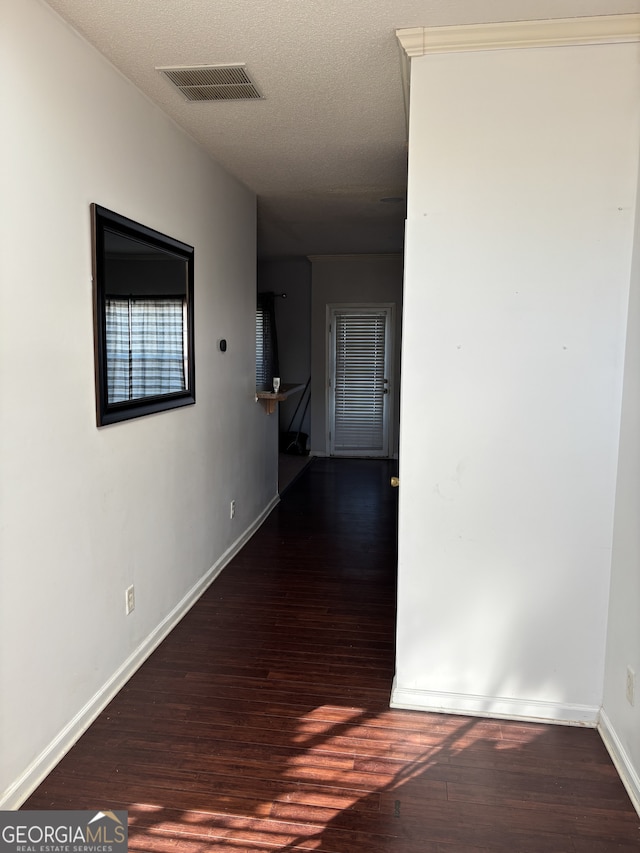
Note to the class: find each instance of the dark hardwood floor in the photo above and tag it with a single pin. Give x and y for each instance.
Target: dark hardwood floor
(262, 722)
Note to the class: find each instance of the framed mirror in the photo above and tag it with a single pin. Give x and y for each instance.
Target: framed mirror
(143, 319)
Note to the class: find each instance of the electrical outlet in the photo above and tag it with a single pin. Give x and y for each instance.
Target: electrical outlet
(631, 685)
(130, 599)
(232, 509)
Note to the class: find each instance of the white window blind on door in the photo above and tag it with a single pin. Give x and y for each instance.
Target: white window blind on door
(359, 392)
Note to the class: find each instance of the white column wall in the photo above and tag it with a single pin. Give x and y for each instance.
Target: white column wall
(85, 512)
(620, 720)
(522, 192)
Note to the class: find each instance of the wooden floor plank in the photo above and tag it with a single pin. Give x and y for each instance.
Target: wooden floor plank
(262, 723)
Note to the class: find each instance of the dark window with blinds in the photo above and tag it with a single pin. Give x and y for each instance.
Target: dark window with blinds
(266, 342)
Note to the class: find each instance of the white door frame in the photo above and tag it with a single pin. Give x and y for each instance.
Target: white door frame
(371, 307)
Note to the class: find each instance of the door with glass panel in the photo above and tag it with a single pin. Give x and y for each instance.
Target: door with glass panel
(360, 347)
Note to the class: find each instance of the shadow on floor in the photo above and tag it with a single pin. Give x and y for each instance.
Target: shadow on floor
(290, 467)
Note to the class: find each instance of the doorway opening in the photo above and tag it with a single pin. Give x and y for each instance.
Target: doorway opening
(360, 375)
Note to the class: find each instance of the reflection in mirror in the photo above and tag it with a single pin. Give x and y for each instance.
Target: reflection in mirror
(143, 293)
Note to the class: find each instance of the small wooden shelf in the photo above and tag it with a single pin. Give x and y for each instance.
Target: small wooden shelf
(269, 398)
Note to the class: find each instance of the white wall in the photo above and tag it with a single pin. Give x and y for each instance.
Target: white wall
(620, 720)
(355, 279)
(522, 192)
(85, 512)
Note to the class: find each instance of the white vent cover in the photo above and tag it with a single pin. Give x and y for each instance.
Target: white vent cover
(213, 82)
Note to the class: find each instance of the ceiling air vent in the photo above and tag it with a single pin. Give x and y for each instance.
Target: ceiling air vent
(213, 82)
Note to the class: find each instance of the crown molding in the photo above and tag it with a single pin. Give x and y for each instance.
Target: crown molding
(603, 29)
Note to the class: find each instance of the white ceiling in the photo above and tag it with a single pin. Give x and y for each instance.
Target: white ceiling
(329, 139)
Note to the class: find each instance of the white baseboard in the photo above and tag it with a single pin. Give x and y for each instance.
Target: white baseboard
(530, 710)
(621, 760)
(44, 763)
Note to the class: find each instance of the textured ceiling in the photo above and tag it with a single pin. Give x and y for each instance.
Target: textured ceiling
(329, 139)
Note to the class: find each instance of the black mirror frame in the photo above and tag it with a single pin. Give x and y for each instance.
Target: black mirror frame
(110, 413)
